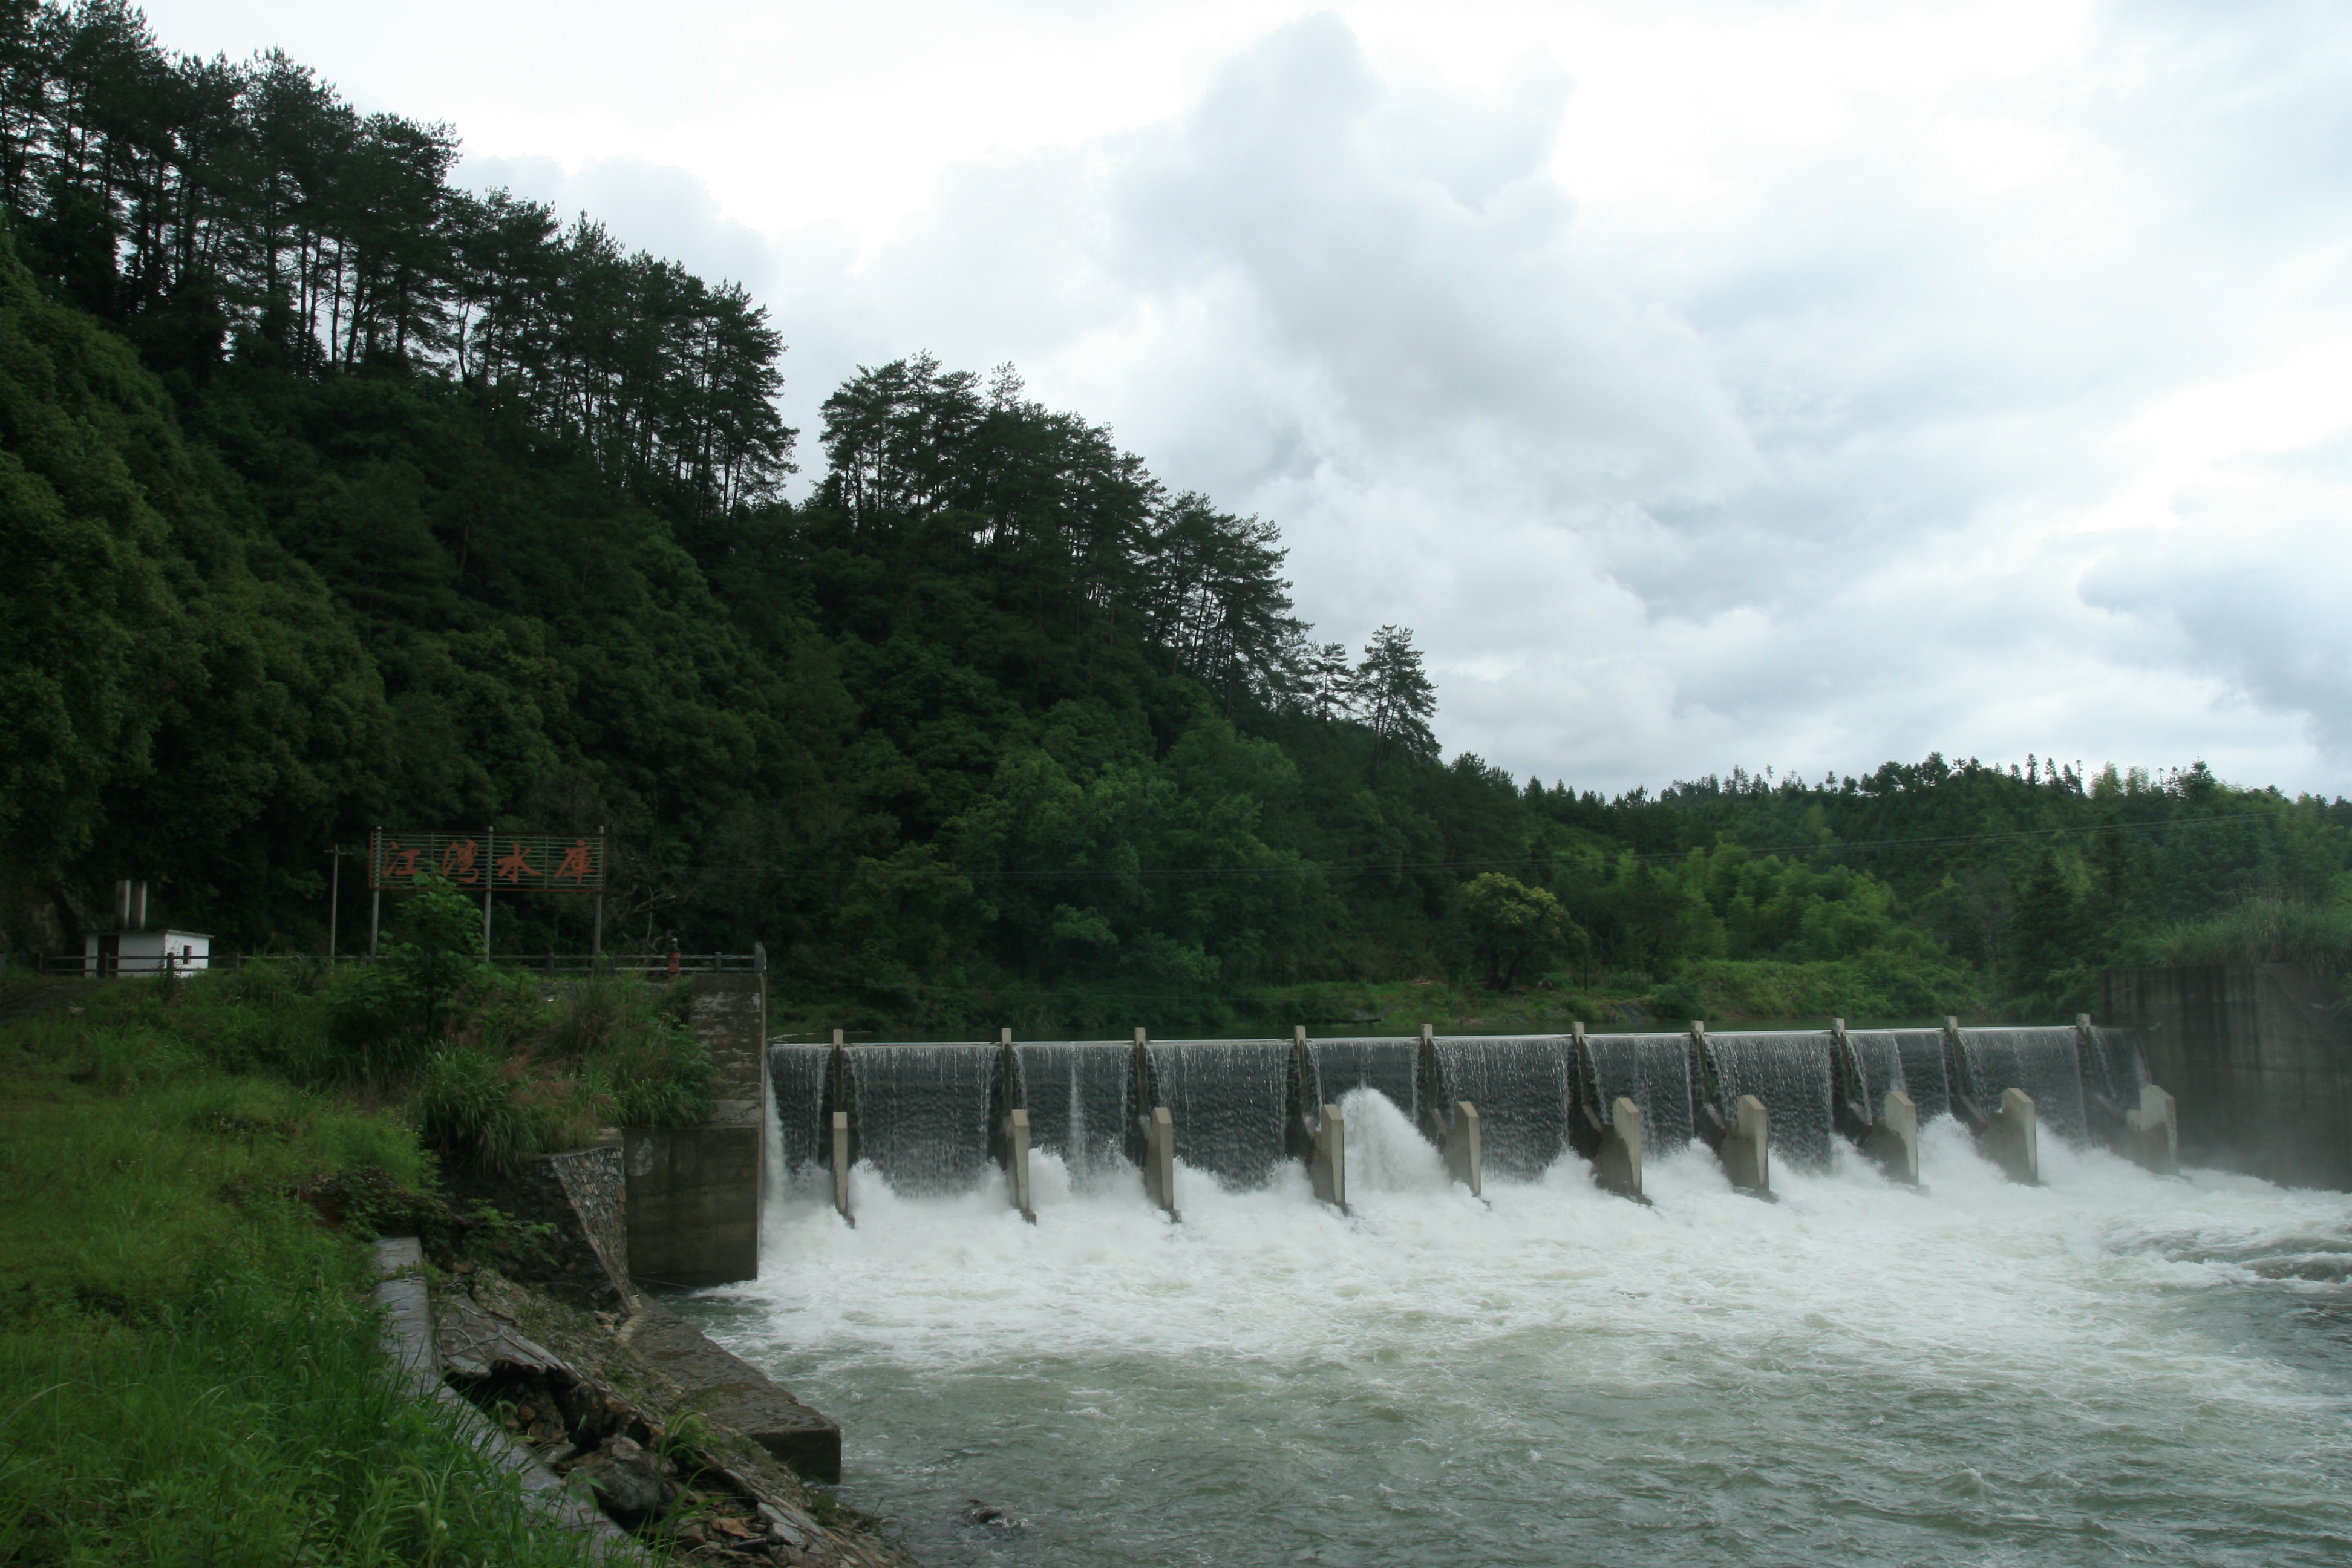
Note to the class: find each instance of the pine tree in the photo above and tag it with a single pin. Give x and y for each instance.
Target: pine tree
(1395, 696)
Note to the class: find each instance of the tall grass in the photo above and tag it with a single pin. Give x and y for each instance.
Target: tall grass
(630, 1045)
(251, 1421)
(188, 1370)
(484, 1112)
(508, 1071)
(2266, 930)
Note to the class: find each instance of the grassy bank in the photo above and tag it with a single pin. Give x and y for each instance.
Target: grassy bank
(189, 1371)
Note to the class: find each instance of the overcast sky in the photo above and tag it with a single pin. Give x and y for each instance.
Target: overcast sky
(1705, 383)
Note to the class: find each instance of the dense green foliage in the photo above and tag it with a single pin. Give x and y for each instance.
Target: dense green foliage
(494, 1069)
(189, 1372)
(338, 497)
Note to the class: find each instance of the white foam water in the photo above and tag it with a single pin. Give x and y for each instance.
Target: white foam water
(2110, 1368)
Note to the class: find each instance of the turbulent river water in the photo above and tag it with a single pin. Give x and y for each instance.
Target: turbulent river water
(2110, 1368)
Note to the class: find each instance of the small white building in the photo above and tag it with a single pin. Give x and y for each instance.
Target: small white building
(146, 952)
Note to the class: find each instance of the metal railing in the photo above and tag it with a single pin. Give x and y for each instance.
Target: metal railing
(138, 966)
(652, 965)
(634, 962)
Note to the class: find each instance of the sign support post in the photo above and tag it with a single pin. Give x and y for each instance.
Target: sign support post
(375, 885)
(334, 902)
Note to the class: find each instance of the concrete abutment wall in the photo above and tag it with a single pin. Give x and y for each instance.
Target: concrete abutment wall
(694, 1194)
(2261, 1062)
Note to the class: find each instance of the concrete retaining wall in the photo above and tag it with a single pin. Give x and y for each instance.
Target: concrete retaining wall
(595, 1185)
(694, 1204)
(695, 1192)
(2257, 1058)
(580, 1195)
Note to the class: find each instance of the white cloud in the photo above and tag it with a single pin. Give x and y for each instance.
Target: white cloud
(648, 206)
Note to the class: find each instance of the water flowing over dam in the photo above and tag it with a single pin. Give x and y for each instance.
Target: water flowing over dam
(1079, 1094)
(934, 1119)
(1653, 1072)
(1925, 1078)
(2100, 1364)
(1521, 1088)
(2045, 1063)
(923, 1115)
(1391, 1066)
(1910, 1059)
(1233, 1102)
(1792, 1075)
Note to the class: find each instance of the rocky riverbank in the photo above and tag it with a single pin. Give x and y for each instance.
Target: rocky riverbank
(636, 1411)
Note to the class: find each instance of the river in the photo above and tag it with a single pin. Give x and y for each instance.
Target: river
(2110, 1368)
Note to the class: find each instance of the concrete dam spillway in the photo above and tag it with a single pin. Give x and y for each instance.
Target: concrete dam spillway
(934, 1119)
(1988, 1331)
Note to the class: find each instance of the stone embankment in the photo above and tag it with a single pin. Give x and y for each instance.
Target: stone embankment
(612, 1397)
(631, 1424)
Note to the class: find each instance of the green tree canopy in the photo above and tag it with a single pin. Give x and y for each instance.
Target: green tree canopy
(1514, 929)
(338, 497)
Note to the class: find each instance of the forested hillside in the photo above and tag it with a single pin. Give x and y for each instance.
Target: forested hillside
(336, 495)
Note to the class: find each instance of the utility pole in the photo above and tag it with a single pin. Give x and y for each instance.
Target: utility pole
(334, 901)
(490, 875)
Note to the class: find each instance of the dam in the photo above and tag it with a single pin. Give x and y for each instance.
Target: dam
(1531, 1299)
(933, 1118)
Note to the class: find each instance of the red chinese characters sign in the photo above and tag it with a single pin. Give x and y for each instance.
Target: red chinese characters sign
(504, 862)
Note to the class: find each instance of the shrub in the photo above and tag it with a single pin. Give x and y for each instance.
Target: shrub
(387, 1014)
(1877, 984)
(595, 1014)
(657, 1079)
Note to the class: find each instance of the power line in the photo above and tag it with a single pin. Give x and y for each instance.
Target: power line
(1399, 867)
